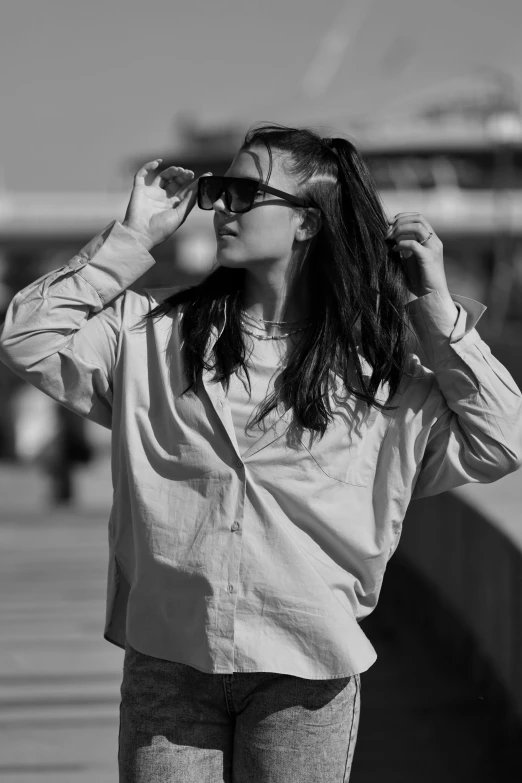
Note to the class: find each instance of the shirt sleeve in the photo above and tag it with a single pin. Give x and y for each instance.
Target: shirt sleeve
(61, 331)
(476, 434)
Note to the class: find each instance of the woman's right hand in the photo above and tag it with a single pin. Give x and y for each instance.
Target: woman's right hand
(159, 203)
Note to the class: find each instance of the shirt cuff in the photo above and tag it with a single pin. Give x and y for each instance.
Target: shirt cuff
(112, 261)
(440, 335)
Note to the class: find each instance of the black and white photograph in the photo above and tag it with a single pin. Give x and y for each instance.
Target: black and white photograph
(260, 391)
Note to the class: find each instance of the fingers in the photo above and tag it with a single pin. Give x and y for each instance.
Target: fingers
(400, 215)
(408, 217)
(408, 246)
(184, 200)
(409, 224)
(189, 186)
(176, 174)
(178, 187)
(170, 179)
(418, 230)
(140, 175)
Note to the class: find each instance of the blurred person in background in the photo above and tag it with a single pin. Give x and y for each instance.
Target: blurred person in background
(35, 430)
(68, 449)
(9, 382)
(270, 426)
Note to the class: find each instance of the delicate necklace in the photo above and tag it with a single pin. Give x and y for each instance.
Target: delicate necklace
(274, 323)
(272, 336)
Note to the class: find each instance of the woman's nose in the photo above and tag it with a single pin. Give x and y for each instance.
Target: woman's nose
(219, 205)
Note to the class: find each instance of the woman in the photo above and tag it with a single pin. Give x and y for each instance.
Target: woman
(270, 427)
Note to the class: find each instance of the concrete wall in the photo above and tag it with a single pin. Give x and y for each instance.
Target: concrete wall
(464, 549)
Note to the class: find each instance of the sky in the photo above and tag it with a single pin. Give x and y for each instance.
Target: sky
(88, 86)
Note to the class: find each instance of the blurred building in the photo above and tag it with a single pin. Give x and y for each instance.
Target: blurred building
(457, 161)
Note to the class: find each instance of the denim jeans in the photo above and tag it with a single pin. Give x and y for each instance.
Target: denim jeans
(181, 725)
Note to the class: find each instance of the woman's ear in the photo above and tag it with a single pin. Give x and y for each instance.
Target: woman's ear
(311, 223)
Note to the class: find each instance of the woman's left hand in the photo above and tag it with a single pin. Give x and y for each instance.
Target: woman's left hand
(424, 262)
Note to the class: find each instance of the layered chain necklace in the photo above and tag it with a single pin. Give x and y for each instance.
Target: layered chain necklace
(259, 323)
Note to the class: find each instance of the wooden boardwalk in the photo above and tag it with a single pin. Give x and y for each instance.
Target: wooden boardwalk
(59, 679)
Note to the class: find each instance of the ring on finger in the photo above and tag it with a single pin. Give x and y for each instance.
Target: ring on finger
(425, 240)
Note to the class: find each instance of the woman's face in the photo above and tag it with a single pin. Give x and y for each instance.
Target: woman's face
(267, 232)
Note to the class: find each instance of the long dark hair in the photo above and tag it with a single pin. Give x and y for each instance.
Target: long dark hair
(359, 288)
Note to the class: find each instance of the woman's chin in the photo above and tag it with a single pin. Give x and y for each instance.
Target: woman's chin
(225, 257)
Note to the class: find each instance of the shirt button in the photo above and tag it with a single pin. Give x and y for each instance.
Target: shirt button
(239, 464)
(222, 402)
(235, 526)
(230, 588)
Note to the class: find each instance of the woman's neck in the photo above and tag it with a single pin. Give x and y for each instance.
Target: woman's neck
(276, 296)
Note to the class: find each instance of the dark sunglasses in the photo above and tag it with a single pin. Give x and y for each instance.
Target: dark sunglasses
(239, 193)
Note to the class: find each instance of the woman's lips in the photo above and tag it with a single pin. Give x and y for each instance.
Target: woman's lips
(225, 230)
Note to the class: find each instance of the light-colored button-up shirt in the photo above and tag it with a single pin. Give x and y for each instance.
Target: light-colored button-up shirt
(264, 560)
(263, 361)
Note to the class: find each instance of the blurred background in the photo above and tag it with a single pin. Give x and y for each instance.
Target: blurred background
(431, 93)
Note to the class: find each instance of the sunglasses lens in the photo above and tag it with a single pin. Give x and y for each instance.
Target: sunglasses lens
(238, 192)
(209, 190)
(241, 194)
